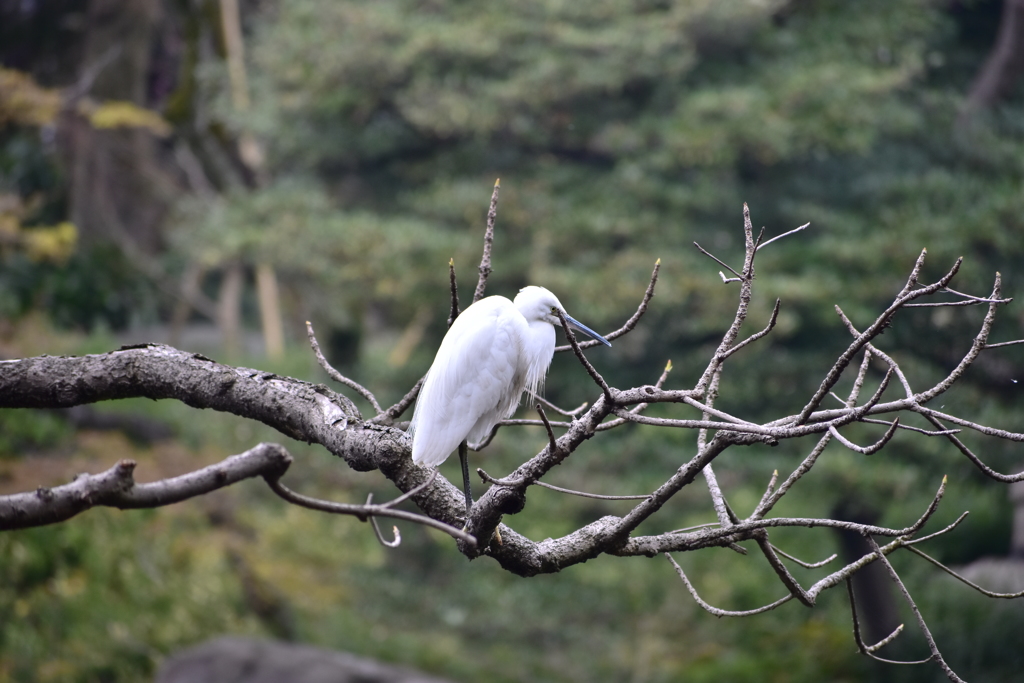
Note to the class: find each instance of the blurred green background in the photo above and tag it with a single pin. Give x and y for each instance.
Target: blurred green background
(170, 174)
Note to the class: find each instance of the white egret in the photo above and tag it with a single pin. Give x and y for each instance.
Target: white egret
(493, 352)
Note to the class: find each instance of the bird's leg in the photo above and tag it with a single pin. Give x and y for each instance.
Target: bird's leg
(464, 459)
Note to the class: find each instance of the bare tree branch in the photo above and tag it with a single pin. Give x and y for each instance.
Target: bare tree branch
(116, 487)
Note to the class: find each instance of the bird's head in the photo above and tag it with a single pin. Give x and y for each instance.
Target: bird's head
(540, 305)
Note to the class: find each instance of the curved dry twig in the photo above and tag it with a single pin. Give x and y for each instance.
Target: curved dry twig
(780, 569)
(870, 650)
(940, 532)
(337, 376)
(981, 429)
(926, 432)
(802, 563)
(708, 410)
(396, 539)
(757, 335)
(394, 412)
(976, 348)
(962, 447)
(719, 262)
(518, 483)
(958, 577)
(936, 655)
(866, 450)
(561, 411)
(509, 483)
(875, 351)
(552, 441)
(721, 612)
(363, 512)
(762, 245)
(631, 322)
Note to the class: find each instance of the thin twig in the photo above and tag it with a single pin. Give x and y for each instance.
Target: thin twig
(365, 511)
(552, 442)
(582, 494)
(976, 347)
(337, 376)
(866, 450)
(510, 483)
(1007, 343)
(767, 492)
(411, 492)
(561, 411)
(779, 237)
(802, 563)
(787, 579)
(396, 534)
(485, 259)
(395, 411)
(869, 650)
(633, 319)
(533, 423)
(721, 612)
(958, 577)
(693, 528)
(719, 262)
(454, 312)
(962, 447)
(591, 370)
(946, 530)
(952, 304)
(944, 432)
(936, 655)
(757, 335)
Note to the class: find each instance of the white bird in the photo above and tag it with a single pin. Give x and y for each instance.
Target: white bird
(493, 352)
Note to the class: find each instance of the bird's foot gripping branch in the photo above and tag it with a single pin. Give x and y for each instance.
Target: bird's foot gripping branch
(317, 414)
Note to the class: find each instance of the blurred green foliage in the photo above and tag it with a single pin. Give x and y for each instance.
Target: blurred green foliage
(622, 132)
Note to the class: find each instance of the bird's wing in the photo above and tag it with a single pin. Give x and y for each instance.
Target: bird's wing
(470, 380)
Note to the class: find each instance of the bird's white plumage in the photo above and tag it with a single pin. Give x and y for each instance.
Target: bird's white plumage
(495, 350)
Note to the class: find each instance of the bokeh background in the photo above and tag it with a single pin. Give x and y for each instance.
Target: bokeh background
(212, 173)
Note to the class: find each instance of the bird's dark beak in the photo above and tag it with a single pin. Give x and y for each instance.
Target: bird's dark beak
(586, 330)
